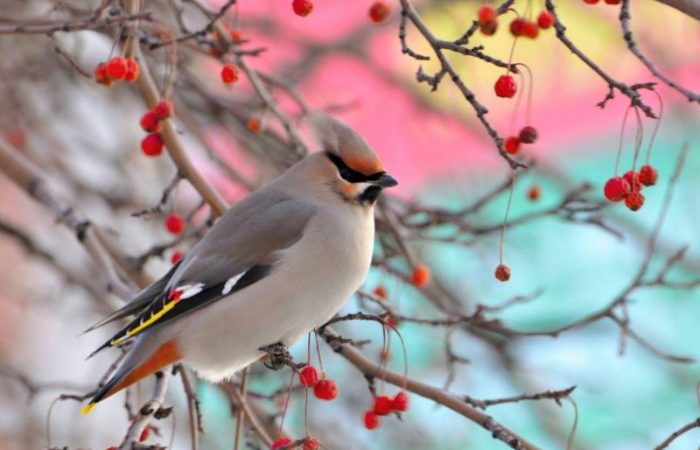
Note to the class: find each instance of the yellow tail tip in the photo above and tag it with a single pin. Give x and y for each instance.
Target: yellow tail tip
(87, 408)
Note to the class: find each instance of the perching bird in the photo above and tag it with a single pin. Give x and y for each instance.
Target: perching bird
(278, 264)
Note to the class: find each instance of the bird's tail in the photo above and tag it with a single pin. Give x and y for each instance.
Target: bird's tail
(138, 364)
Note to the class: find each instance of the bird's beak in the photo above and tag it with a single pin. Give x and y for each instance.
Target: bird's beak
(385, 181)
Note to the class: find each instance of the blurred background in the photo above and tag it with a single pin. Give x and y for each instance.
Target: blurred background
(86, 139)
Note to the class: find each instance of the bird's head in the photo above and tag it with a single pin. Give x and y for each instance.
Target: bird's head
(348, 166)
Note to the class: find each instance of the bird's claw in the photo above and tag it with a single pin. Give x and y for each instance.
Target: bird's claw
(278, 356)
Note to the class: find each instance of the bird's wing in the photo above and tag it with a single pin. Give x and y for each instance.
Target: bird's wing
(241, 249)
(141, 301)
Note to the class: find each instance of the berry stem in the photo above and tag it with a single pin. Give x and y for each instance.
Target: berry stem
(656, 127)
(287, 400)
(318, 355)
(619, 145)
(639, 136)
(505, 218)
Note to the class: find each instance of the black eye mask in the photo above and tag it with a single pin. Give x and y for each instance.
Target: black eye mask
(350, 175)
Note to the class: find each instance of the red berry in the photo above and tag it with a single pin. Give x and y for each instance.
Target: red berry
(505, 86)
(634, 200)
(533, 193)
(487, 13)
(648, 175)
(528, 135)
(420, 276)
(616, 189)
(512, 145)
(489, 28)
(302, 7)
(310, 444)
(152, 144)
(237, 36)
(176, 256)
(383, 405)
(516, 26)
(132, 70)
(101, 75)
(502, 273)
(530, 29)
(229, 74)
(590, 2)
(144, 435)
(545, 20)
(163, 109)
(175, 224)
(371, 420)
(254, 125)
(400, 402)
(380, 291)
(281, 442)
(149, 122)
(632, 178)
(116, 68)
(378, 12)
(326, 390)
(308, 376)
(613, 2)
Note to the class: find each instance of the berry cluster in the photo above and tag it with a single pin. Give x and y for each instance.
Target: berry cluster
(324, 388)
(629, 186)
(487, 18)
(116, 69)
(152, 144)
(383, 406)
(527, 135)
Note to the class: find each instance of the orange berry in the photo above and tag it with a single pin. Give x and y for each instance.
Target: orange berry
(420, 276)
(254, 125)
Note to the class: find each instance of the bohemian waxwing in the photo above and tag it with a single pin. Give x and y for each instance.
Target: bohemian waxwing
(277, 265)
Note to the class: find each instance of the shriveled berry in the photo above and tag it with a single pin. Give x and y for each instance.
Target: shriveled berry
(530, 29)
(371, 420)
(176, 256)
(310, 444)
(420, 276)
(528, 135)
(308, 376)
(378, 12)
(512, 145)
(302, 7)
(326, 389)
(516, 26)
(489, 28)
(487, 13)
(632, 178)
(648, 175)
(149, 122)
(505, 86)
(163, 109)
(132, 70)
(254, 125)
(380, 291)
(634, 200)
(400, 402)
(144, 434)
(152, 144)
(229, 74)
(175, 224)
(383, 405)
(281, 442)
(545, 20)
(116, 68)
(502, 273)
(616, 189)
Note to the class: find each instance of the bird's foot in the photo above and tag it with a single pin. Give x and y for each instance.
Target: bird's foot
(278, 356)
